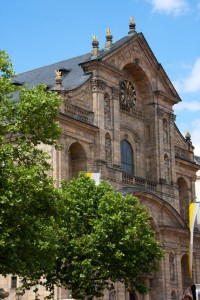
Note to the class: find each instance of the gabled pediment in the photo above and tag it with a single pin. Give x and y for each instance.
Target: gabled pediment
(132, 53)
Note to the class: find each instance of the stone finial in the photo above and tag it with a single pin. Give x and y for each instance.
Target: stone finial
(95, 45)
(109, 37)
(188, 136)
(58, 80)
(132, 27)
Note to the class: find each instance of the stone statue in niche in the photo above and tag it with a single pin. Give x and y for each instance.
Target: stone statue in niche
(166, 162)
(172, 266)
(165, 132)
(108, 151)
(107, 110)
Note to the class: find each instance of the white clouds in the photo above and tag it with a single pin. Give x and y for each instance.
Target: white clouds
(173, 7)
(194, 128)
(195, 136)
(190, 84)
(190, 106)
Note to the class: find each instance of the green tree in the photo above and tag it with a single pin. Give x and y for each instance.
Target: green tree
(105, 237)
(29, 201)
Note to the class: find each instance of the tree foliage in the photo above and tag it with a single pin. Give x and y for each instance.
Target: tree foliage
(105, 237)
(29, 202)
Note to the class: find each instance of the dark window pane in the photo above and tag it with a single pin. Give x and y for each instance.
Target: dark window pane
(127, 164)
(13, 282)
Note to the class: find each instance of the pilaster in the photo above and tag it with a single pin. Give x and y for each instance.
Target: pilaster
(98, 91)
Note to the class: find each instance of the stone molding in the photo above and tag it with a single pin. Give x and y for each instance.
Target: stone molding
(98, 85)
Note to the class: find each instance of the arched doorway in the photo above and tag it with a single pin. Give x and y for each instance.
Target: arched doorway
(186, 280)
(183, 198)
(77, 160)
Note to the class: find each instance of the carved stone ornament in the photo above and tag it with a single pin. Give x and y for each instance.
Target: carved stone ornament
(160, 112)
(107, 111)
(97, 84)
(172, 117)
(115, 92)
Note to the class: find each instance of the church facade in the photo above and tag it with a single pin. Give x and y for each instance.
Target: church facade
(118, 120)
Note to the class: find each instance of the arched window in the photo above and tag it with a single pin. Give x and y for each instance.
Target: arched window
(127, 158)
(173, 295)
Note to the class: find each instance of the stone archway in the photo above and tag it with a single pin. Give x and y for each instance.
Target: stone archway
(186, 280)
(77, 160)
(183, 198)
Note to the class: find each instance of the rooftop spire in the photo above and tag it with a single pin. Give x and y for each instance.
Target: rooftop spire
(109, 37)
(132, 26)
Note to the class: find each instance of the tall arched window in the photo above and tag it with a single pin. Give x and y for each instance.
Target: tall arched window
(127, 158)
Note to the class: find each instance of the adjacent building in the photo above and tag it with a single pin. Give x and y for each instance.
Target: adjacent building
(118, 120)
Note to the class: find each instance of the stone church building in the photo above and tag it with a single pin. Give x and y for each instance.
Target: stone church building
(118, 120)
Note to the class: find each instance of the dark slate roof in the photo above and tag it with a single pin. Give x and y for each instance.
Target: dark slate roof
(73, 75)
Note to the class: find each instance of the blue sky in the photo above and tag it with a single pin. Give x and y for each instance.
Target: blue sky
(36, 33)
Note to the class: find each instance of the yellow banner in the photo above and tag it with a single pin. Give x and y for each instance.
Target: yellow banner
(193, 210)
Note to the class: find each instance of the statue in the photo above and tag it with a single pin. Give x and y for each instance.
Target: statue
(94, 37)
(108, 31)
(58, 73)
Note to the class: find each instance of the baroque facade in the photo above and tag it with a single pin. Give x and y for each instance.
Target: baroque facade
(118, 120)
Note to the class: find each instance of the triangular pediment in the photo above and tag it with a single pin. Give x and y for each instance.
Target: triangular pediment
(134, 51)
